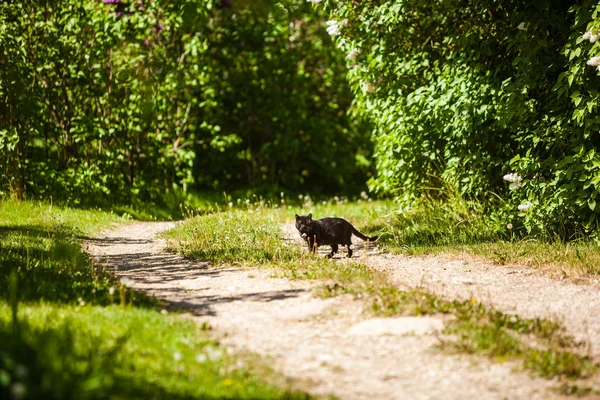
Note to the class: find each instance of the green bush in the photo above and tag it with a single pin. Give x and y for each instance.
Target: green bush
(470, 91)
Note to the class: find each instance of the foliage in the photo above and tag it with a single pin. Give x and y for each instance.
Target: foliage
(467, 91)
(120, 101)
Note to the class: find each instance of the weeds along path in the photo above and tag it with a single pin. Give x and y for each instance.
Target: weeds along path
(322, 346)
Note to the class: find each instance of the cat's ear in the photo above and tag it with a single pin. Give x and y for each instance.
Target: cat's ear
(310, 216)
(297, 216)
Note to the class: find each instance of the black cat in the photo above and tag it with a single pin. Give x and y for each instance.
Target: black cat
(328, 231)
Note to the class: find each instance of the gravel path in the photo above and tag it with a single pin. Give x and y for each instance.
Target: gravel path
(330, 346)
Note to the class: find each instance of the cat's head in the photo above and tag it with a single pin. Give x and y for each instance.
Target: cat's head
(304, 223)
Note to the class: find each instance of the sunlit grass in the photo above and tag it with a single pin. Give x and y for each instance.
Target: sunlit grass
(111, 352)
(81, 335)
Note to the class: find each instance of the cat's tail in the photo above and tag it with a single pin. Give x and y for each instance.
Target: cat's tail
(363, 237)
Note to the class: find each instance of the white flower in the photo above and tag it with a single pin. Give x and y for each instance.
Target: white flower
(177, 356)
(314, 1)
(126, 282)
(111, 290)
(589, 35)
(230, 204)
(214, 354)
(522, 26)
(369, 87)
(515, 181)
(512, 178)
(594, 61)
(515, 185)
(525, 206)
(333, 29)
(343, 22)
(509, 226)
(353, 54)
(341, 43)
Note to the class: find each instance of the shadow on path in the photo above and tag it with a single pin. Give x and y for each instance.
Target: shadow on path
(182, 284)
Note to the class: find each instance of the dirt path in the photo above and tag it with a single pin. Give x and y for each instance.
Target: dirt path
(331, 346)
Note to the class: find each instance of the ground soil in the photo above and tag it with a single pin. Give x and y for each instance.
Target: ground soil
(331, 346)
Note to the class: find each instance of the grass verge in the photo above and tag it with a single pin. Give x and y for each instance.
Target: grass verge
(62, 336)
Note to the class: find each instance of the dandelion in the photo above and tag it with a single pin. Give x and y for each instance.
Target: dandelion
(525, 206)
(164, 312)
(509, 226)
(230, 204)
(214, 354)
(111, 290)
(364, 195)
(353, 54)
(126, 282)
(247, 201)
(324, 202)
(300, 197)
(240, 230)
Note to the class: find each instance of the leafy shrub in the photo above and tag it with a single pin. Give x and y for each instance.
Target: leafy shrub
(469, 91)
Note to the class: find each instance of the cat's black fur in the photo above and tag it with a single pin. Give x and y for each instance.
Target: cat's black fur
(328, 231)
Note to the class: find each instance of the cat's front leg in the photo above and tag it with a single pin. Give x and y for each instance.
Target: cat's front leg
(312, 245)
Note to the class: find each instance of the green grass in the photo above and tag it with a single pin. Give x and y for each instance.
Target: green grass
(68, 352)
(250, 235)
(63, 336)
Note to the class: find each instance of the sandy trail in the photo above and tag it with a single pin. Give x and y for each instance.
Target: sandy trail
(330, 346)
